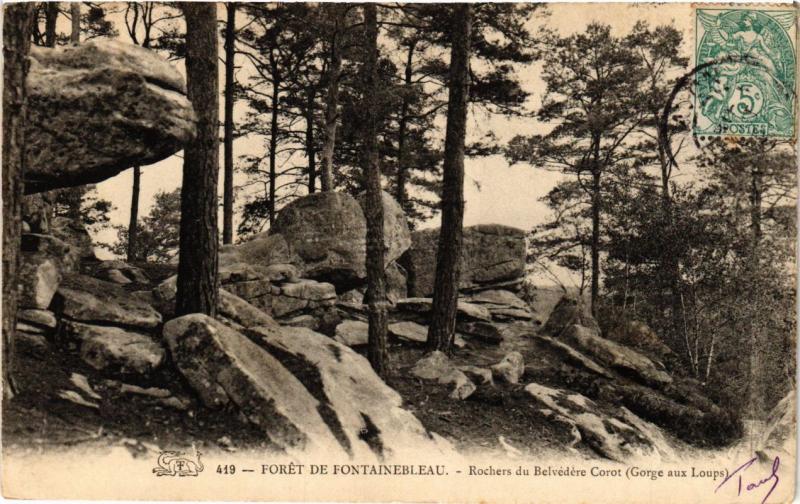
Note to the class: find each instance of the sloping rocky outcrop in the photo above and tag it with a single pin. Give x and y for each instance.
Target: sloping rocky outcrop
(365, 414)
(226, 368)
(98, 108)
(306, 391)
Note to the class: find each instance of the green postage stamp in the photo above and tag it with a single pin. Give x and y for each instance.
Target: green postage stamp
(746, 72)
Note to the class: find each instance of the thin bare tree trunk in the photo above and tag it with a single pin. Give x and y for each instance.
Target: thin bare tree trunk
(16, 45)
(402, 162)
(273, 140)
(373, 208)
(332, 99)
(197, 265)
(756, 397)
(51, 16)
(311, 153)
(75, 13)
(596, 201)
(227, 195)
(133, 224)
(448, 256)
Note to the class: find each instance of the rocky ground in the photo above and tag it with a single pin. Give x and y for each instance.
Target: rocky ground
(103, 357)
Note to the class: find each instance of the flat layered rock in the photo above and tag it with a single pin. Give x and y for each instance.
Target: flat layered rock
(498, 298)
(86, 299)
(573, 356)
(484, 331)
(42, 318)
(464, 310)
(352, 333)
(230, 306)
(116, 350)
(302, 295)
(409, 331)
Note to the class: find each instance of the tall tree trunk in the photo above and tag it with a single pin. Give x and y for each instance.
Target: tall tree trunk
(16, 45)
(669, 260)
(311, 153)
(448, 256)
(332, 98)
(273, 142)
(51, 16)
(75, 13)
(133, 224)
(402, 162)
(596, 203)
(227, 195)
(756, 396)
(373, 207)
(197, 265)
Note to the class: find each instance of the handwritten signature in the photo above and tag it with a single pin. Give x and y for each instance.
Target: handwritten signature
(749, 487)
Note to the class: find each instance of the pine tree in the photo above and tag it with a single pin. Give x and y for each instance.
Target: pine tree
(197, 264)
(597, 112)
(448, 256)
(230, 53)
(373, 208)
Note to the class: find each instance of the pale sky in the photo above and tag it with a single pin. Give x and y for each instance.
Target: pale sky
(494, 191)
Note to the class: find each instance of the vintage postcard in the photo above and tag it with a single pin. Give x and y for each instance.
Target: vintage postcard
(400, 252)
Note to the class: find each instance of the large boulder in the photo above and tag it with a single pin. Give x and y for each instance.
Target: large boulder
(360, 409)
(491, 255)
(569, 311)
(397, 235)
(226, 368)
(326, 234)
(641, 337)
(262, 250)
(98, 108)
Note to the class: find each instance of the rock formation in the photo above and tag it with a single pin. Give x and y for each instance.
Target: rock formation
(492, 256)
(326, 234)
(99, 108)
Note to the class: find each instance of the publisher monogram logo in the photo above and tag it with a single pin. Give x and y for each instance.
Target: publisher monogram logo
(175, 463)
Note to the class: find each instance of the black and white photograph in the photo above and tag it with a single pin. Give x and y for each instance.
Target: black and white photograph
(399, 252)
